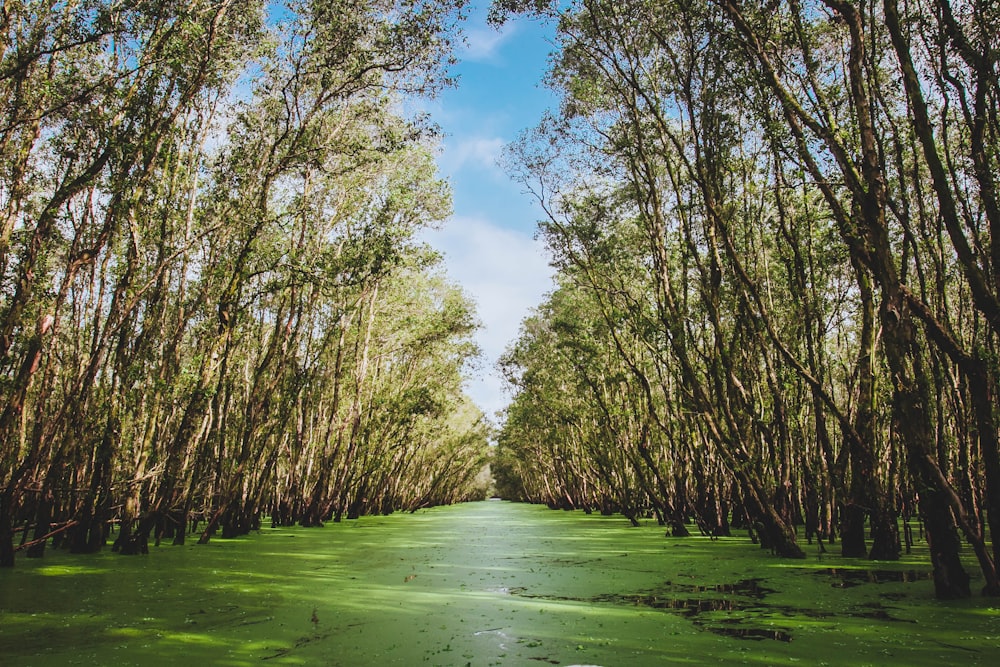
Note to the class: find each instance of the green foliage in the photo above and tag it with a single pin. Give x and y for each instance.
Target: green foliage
(764, 285)
(213, 303)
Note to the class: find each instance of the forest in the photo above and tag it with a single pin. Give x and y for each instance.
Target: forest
(215, 306)
(776, 229)
(777, 233)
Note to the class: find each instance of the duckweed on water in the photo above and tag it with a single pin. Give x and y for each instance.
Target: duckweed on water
(483, 584)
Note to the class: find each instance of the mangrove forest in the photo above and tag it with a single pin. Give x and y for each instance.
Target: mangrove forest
(215, 306)
(775, 231)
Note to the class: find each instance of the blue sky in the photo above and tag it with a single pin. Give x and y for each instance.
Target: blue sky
(488, 243)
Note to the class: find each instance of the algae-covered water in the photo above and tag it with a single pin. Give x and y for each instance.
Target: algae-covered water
(489, 583)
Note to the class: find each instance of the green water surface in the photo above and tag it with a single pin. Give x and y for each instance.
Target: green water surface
(489, 583)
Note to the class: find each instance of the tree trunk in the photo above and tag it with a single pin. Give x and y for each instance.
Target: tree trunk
(6, 532)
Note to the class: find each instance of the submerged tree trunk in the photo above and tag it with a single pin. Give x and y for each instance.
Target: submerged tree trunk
(6, 532)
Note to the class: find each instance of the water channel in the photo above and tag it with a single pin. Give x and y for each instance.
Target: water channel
(491, 583)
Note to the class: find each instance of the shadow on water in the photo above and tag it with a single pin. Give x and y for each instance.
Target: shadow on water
(726, 609)
(848, 578)
(720, 608)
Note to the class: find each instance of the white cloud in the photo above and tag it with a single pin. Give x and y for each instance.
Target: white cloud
(482, 43)
(507, 273)
(480, 152)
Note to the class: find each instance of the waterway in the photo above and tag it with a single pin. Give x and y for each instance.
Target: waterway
(491, 583)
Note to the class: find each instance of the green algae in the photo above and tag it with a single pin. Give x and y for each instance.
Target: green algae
(489, 583)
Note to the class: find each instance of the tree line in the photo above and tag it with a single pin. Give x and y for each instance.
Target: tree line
(215, 306)
(777, 233)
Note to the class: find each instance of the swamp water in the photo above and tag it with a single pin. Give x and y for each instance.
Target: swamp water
(479, 584)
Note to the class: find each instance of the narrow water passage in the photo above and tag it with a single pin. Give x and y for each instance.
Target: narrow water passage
(481, 584)
(495, 584)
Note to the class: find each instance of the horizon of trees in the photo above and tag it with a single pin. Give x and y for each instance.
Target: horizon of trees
(777, 233)
(214, 302)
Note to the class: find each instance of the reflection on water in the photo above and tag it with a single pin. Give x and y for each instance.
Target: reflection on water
(710, 607)
(848, 578)
(496, 632)
(730, 609)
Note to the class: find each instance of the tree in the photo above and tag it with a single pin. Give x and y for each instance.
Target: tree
(205, 217)
(696, 134)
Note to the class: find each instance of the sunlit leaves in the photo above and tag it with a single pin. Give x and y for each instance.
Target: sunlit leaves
(209, 211)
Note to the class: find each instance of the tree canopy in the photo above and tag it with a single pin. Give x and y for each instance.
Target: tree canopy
(215, 306)
(778, 234)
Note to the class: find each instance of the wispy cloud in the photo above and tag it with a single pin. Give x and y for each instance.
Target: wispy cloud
(483, 44)
(477, 152)
(507, 273)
